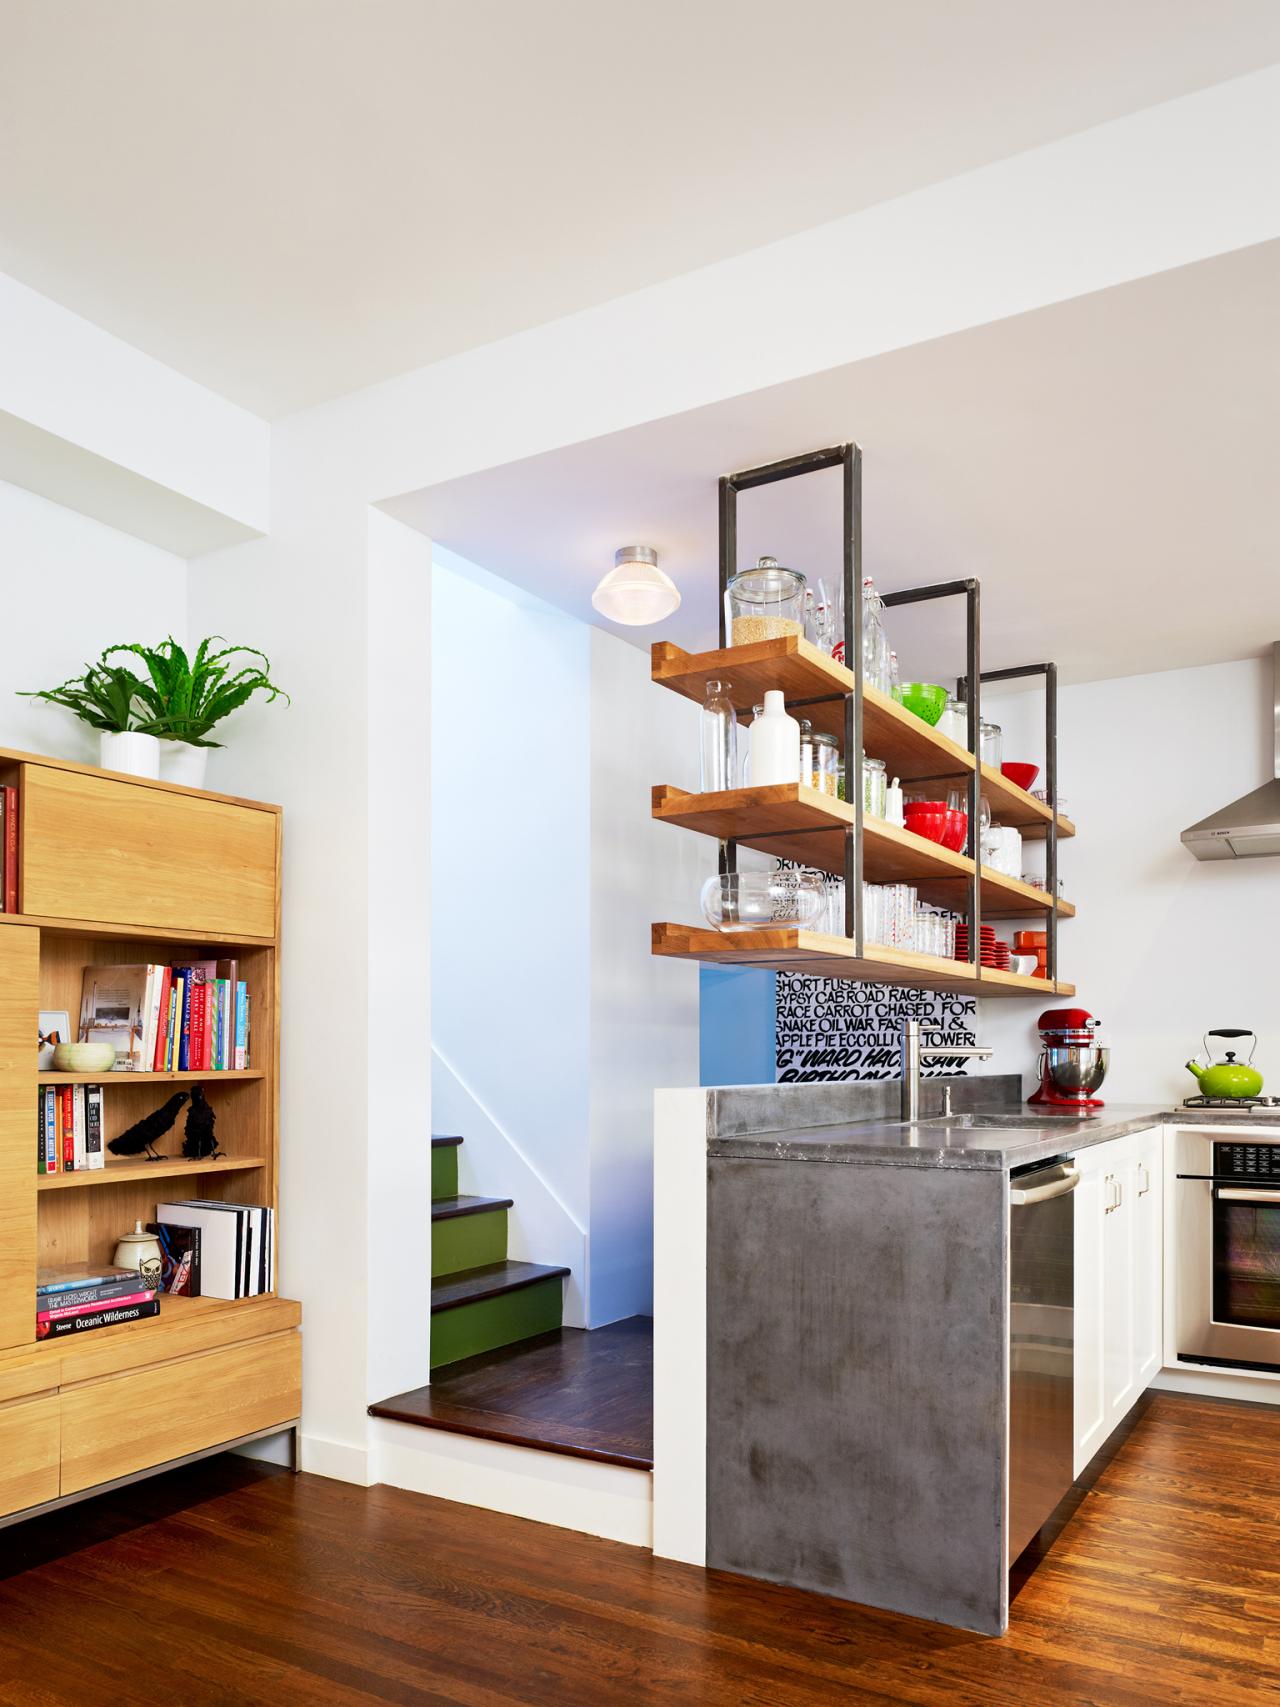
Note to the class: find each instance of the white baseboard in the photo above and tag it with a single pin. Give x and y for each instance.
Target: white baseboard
(608, 1500)
(337, 1460)
(1253, 1385)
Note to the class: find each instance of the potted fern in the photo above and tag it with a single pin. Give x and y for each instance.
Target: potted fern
(159, 724)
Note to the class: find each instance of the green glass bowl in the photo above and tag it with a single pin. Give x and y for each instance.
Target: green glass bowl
(926, 699)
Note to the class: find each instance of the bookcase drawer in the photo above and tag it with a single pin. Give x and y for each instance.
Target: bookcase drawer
(130, 1422)
(121, 853)
(28, 1453)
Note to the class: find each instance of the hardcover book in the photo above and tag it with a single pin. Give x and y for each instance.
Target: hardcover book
(113, 1010)
(106, 1318)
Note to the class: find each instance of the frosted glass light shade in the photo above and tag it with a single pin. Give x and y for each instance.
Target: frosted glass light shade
(635, 591)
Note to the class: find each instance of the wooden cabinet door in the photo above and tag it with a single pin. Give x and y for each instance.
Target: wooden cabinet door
(1147, 1209)
(19, 1005)
(28, 1453)
(130, 1422)
(1090, 1375)
(114, 852)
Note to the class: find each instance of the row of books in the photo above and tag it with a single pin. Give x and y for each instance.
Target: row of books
(237, 1247)
(8, 849)
(68, 1128)
(167, 1019)
(77, 1300)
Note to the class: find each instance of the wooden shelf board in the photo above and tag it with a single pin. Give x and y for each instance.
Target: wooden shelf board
(910, 748)
(817, 955)
(795, 822)
(142, 931)
(1014, 806)
(130, 1168)
(110, 1078)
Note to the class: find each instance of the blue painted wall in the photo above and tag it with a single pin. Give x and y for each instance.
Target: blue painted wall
(738, 1025)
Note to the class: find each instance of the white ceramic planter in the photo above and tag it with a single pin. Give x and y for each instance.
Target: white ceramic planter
(181, 762)
(131, 752)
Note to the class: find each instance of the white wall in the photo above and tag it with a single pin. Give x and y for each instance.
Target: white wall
(511, 880)
(644, 1011)
(73, 587)
(1164, 946)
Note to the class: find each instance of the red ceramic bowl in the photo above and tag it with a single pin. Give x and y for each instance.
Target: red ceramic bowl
(911, 806)
(956, 831)
(1022, 776)
(931, 825)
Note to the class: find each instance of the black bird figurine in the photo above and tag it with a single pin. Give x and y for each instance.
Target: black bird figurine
(199, 1142)
(143, 1134)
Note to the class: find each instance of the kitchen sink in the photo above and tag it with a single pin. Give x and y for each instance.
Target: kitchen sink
(994, 1122)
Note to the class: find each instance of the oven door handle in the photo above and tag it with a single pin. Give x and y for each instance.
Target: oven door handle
(1246, 1194)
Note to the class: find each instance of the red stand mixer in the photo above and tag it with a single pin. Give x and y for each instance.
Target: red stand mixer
(1072, 1062)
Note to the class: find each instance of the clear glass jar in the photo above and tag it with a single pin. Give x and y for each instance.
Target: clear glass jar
(954, 722)
(875, 787)
(719, 741)
(992, 743)
(824, 774)
(764, 603)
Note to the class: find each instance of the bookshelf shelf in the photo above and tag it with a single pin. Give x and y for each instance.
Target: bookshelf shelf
(124, 1079)
(122, 872)
(169, 1167)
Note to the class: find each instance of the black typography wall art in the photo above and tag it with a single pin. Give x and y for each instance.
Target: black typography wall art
(831, 1028)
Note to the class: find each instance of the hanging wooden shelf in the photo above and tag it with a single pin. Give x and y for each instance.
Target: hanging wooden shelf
(817, 955)
(795, 822)
(911, 748)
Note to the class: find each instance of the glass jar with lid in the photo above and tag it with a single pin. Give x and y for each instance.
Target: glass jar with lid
(875, 787)
(825, 772)
(992, 744)
(764, 603)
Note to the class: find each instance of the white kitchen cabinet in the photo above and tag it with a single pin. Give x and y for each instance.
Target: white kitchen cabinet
(1118, 1283)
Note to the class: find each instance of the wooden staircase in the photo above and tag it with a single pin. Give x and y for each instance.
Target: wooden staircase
(480, 1299)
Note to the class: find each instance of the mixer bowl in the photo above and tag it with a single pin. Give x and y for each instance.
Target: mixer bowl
(1076, 1067)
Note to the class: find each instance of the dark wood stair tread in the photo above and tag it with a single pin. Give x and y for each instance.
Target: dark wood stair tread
(579, 1393)
(490, 1280)
(441, 1141)
(449, 1208)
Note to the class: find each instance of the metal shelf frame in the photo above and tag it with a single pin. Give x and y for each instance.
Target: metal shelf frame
(848, 458)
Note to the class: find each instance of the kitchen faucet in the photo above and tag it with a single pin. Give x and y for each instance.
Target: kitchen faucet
(914, 1050)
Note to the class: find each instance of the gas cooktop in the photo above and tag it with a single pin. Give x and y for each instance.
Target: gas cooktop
(1247, 1105)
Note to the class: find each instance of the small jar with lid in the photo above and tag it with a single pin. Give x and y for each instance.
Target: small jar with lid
(992, 743)
(764, 603)
(825, 774)
(874, 787)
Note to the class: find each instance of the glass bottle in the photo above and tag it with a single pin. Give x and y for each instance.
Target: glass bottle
(719, 749)
(872, 634)
(744, 749)
(894, 686)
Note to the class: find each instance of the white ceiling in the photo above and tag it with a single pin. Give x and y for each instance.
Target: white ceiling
(288, 199)
(1105, 467)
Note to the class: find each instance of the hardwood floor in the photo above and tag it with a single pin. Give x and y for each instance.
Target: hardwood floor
(589, 1395)
(231, 1583)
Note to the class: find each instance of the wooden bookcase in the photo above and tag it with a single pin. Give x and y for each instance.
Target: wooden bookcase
(118, 870)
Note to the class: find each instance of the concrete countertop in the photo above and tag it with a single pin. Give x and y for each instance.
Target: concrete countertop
(1038, 1137)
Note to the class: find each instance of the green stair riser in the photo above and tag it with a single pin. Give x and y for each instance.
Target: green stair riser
(468, 1241)
(491, 1322)
(444, 1170)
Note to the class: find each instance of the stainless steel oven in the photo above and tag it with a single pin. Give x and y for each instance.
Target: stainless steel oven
(1227, 1248)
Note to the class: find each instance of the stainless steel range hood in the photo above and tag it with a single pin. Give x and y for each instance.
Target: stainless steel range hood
(1250, 826)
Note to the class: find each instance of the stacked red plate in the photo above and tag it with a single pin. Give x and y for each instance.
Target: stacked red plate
(989, 943)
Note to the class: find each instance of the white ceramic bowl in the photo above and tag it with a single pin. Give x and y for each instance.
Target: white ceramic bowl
(84, 1057)
(1023, 964)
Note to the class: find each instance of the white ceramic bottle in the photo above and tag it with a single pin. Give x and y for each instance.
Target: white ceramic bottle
(775, 744)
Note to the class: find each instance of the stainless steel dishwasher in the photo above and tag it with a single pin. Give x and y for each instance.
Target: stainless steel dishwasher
(1041, 1344)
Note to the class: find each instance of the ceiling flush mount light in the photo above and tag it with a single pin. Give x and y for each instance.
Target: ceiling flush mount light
(635, 590)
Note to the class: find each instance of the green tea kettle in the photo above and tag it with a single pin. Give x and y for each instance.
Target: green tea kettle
(1228, 1078)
